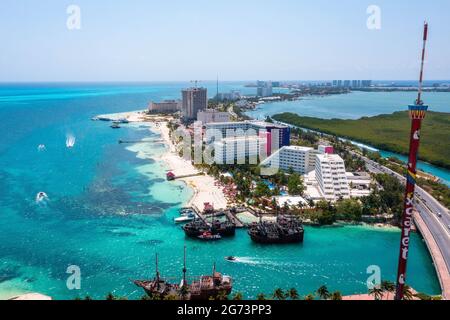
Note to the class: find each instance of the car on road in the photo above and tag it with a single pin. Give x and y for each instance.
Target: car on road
(439, 214)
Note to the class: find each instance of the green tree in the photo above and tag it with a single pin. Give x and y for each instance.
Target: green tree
(222, 296)
(336, 296)
(110, 297)
(323, 293)
(279, 294)
(293, 294)
(388, 286)
(376, 292)
(261, 296)
(349, 210)
(295, 185)
(309, 297)
(408, 293)
(238, 296)
(262, 190)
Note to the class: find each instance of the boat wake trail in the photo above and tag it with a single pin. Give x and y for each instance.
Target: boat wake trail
(70, 141)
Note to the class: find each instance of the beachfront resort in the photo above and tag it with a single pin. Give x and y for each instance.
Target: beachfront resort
(266, 176)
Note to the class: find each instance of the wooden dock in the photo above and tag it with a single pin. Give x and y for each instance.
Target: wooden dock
(207, 218)
(189, 176)
(140, 141)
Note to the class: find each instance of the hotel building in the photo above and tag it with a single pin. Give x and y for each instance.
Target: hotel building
(264, 89)
(257, 128)
(239, 150)
(194, 100)
(167, 106)
(212, 116)
(331, 177)
(300, 159)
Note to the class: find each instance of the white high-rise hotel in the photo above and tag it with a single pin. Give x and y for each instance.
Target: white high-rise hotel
(329, 169)
(331, 176)
(299, 159)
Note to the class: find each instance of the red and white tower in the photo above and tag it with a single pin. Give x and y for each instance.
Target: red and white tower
(417, 114)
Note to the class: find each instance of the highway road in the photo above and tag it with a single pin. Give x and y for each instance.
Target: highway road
(430, 203)
(435, 216)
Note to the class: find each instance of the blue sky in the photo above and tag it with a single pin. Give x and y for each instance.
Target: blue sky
(149, 40)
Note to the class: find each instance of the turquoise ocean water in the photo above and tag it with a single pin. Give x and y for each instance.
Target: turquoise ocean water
(110, 209)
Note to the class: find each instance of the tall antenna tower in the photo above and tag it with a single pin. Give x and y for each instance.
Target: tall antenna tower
(417, 113)
(217, 95)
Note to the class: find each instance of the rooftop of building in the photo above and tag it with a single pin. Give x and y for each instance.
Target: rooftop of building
(195, 89)
(297, 148)
(257, 123)
(242, 138)
(212, 111)
(329, 158)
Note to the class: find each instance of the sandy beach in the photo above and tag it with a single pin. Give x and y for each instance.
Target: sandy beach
(204, 186)
(205, 189)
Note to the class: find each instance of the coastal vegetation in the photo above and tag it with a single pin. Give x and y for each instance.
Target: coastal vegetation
(384, 204)
(439, 191)
(388, 132)
(380, 292)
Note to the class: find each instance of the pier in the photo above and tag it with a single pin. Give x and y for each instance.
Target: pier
(227, 213)
(171, 176)
(140, 141)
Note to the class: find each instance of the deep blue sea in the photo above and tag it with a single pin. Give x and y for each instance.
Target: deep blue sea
(110, 209)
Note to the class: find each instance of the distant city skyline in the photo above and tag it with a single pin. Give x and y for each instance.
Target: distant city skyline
(285, 40)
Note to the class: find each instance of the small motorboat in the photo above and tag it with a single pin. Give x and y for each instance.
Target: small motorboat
(230, 258)
(70, 141)
(41, 147)
(186, 212)
(185, 218)
(115, 125)
(41, 196)
(208, 236)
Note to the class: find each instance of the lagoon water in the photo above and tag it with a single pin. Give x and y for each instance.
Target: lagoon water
(361, 104)
(110, 209)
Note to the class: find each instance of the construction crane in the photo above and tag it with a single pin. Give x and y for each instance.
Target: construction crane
(195, 82)
(417, 113)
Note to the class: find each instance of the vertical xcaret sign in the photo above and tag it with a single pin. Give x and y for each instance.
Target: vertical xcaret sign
(417, 113)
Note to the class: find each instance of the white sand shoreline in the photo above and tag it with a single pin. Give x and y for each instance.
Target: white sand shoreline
(204, 186)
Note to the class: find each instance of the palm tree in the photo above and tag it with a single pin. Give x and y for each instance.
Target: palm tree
(261, 297)
(293, 294)
(376, 292)
(222, 296)
(279, 294)
(388, 286)
(309, 297)
(407, 293)
(237, 296)
(336, 296)
(110, 297)
(323, 293)
(184, 291)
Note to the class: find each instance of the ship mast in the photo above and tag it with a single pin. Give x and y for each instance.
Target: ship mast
(184, 268)
(417, 113)
(157, 271)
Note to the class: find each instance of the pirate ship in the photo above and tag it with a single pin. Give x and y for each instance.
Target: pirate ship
(203, 288)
